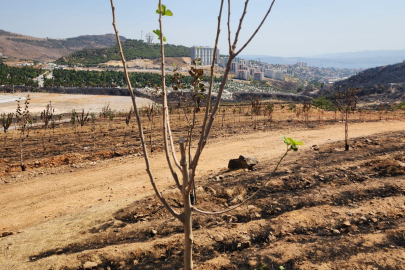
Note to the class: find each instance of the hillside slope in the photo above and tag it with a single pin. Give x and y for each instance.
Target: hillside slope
(133, 49)
(46, 49)
(379, 75)
(380, 84)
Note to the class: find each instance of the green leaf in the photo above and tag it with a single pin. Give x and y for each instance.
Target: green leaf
(202, 96)
(165, 12)
(163, 9)
(292, 142)
(285, 140)
(281, 268)
(298, 143)
(157, 32)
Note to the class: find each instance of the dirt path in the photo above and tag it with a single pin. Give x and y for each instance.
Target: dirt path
(54, 208)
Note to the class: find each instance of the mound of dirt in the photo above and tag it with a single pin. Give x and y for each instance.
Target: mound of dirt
(387, 167)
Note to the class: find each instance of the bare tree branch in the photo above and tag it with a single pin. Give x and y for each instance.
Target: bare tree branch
(201, 143)
(229, 27)
(146, 157)
(165, 107)
(207, 128)
(257, 29)
(169, 130)
(239, 27)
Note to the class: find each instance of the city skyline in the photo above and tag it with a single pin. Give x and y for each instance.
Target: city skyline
(294, 28)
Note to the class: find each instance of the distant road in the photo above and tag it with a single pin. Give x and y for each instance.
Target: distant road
(40, 78)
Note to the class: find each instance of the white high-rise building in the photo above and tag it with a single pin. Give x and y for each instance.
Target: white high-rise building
(234, 67)
(274, 74)
(242, 74)
(268, 73)
(223, 61)
(258, 76)
(278, 75)
(205, 53)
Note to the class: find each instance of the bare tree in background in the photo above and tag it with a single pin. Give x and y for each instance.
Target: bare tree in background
(187, 165)
(347, 101)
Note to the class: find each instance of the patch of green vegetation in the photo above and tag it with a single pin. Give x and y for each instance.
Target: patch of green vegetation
(323, 103)
(400, 106)
(133, 49)
(18, 76)
(73, 78)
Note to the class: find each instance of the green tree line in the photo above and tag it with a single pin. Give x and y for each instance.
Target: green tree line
(133, 49)
(80, 78)
(18, 75)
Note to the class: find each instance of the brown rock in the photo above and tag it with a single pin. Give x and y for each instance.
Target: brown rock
(335, 231)
(346, 223)
(374, 220)
(218, 238)
(242, 163)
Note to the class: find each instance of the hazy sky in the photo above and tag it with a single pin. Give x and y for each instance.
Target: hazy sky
(294, 27)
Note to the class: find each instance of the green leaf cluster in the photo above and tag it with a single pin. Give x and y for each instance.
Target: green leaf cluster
(291, 143)
(157, 32)
(165, 12)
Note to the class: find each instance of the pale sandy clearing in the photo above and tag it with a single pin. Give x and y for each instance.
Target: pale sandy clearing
(64, 103)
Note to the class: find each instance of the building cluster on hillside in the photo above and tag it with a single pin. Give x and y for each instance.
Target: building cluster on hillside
(326, 75)
(244, 69)
(257, 70)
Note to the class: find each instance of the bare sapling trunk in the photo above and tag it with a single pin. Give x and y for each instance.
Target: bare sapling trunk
(346, 132)
(188, 163)
(188, 230)
(347, 101)
(23, 117)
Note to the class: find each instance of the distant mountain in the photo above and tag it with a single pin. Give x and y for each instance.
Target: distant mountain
(133, 49)
(46, 49)
(380, 84)
(363, 59)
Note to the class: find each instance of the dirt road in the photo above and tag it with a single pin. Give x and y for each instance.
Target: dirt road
(53, 209)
